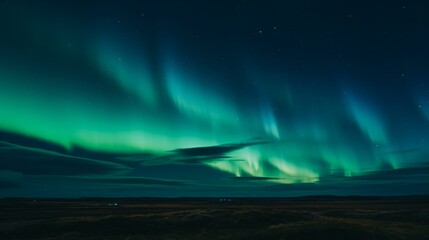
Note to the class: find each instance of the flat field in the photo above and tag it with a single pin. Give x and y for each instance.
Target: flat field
(326, 217)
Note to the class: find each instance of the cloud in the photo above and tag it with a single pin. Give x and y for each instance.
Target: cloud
(406, 175)
(407, 180)
(195, 155)
(138, 181)
(254, 178)
(218, 150)
(409, 173)
(37, 161)
(10, 179)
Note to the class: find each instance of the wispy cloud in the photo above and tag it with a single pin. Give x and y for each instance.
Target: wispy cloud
(37, 161)
(129, 180)
(254, 178)
(195, 155)
(10, 179)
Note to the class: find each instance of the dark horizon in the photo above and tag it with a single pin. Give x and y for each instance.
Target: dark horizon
(226, 198)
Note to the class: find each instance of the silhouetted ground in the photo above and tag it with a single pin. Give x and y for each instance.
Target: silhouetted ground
(208, 218)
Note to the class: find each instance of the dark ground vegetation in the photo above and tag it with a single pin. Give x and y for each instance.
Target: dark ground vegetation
(288, 218)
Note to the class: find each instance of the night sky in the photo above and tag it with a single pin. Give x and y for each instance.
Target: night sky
(213, 98)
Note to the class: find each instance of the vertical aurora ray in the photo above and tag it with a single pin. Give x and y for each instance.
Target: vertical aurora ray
(269, 121)
(197, 96)
(129, 69)
(368, 121)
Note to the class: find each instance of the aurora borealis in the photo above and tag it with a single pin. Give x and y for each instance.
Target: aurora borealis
(224, 98)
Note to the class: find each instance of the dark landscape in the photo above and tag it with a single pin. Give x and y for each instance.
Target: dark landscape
(211, 120)
(325, 217)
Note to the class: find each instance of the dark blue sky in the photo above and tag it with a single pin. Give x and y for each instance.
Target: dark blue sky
(213, 98)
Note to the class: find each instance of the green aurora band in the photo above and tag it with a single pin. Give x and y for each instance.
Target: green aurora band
(197, 116)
